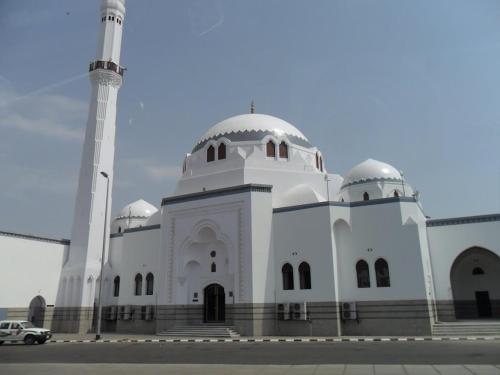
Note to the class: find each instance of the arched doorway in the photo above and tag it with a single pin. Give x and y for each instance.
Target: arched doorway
(214, 303)
(475, 283)
(36, 314)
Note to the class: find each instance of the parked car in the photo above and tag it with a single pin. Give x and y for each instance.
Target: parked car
(21, 330)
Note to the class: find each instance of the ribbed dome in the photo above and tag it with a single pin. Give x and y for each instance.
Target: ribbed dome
(250, 127)
(370, 170)
(139, 208)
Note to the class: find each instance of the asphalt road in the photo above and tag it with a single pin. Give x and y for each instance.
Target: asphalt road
(473, 352)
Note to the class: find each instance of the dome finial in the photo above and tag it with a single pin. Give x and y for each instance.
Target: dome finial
(252, 107)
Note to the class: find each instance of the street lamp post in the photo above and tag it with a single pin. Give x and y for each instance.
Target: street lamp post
(99, 300)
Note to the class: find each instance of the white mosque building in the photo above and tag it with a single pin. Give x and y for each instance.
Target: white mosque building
(257, 236)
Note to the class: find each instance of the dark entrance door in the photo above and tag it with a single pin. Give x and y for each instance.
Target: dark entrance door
(36, 313)
(215, 303)
(483, 304)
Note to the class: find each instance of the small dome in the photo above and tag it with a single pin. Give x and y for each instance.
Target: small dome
(370, 170)
(155, 219)
(139, 208)
(300, 194)
(251, 127)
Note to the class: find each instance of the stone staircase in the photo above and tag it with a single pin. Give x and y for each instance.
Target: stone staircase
(202, 330)
(466, 328)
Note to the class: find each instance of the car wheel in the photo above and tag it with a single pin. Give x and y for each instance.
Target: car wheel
(1, 342)
(41, 340)
(29, 340)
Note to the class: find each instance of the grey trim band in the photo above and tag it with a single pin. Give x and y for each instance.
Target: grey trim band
(345, 204)
(380, 201)
(217, 193)
(132, 217)
(378, 179)
(138, 229)
(62, 241)
(251, 135)
(463, 220)
(300, 207)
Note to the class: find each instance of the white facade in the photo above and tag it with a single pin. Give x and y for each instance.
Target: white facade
(255, 226)
(273, 213)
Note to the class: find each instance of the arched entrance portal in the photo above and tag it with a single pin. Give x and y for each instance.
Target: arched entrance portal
(36, 314)
(475, 283)
(215, 304)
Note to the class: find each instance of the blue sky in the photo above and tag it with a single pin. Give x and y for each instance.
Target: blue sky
(412, 83)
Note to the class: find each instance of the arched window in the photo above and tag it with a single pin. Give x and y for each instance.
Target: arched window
(119, 229)
(221, 151)
(317, 161)
(396, 193)
(283, 150)
(366, 196)
(305, 275)
(138, 284)
(213, 267)
(382, 273)
(321, 163)
(287, 271)
(478, 271)
(210, 154)
(363, 274)
(150, 279)
(271, 149)
(116, 286)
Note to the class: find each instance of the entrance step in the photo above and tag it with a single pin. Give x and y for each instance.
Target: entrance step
(474, 328)
(202, 330)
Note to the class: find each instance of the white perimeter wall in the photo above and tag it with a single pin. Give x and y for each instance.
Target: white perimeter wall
(304, 235)
(447, 242)
(139, 254)
(378, 231)
(29, 268)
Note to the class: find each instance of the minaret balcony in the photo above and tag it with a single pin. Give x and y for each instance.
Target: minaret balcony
(107, 65)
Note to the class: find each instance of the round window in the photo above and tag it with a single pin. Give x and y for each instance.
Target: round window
(213, 254)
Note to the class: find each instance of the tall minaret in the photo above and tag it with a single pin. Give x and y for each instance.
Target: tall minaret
(82, 267)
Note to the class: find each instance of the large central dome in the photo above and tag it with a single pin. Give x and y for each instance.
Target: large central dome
(252, 127)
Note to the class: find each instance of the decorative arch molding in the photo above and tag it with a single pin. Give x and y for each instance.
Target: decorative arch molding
(177, 244)
(224, 140)
(212, 281)
(470, 250)
(341, 222)
(476, 297)
(194, 237)
(270, 137)
(200, 225)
